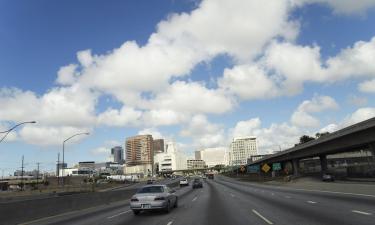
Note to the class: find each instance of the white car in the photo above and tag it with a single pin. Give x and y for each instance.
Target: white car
(184, 182)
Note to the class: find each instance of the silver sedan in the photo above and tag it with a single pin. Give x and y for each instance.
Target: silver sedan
(154, 197)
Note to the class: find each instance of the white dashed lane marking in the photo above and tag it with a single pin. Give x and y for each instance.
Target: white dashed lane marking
(194, 199)
(262, 217)
(311, 202)
(110, 217)
(362, 213)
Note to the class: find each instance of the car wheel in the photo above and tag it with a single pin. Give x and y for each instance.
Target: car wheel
(168, 207)
(176, 203)
(136, 212)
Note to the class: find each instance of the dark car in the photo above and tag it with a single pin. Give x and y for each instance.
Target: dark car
(328, 177)
(197, 183)
(150, 181)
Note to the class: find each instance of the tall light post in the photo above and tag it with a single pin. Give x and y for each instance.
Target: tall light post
(14, 127)
(63, 156)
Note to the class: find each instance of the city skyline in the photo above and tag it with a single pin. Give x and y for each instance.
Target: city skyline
(154, 68)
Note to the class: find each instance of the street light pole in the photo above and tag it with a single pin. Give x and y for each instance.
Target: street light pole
(14, 127)
(63, 156)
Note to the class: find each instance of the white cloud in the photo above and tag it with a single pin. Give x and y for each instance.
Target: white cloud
(343, 6)
(192, 97)
(164, 117)
(248, 82)
(293, 65)
(204, 133)
(124, 117)
(359, 115)
(51, 135)
(246, 128)
(357, 100)
(367, 86)
(156, 134)
(302, 116)
(101, 151)
(67, 75)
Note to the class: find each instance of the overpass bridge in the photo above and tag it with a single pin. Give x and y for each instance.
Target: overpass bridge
(355, 137)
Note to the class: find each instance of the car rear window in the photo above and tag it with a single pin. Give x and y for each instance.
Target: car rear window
(151, 189)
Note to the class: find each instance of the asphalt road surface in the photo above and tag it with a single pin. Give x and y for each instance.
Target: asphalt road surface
(224, 201)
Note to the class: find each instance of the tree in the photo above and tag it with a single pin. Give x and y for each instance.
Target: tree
(304, 139)
(318, 135)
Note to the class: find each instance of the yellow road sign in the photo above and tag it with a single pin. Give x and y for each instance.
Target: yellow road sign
(266, 168)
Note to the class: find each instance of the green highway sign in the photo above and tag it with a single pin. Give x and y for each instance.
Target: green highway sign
(253, 169)
(276, 166)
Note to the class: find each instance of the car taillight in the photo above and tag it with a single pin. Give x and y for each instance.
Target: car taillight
(134, 200)
(159, 198)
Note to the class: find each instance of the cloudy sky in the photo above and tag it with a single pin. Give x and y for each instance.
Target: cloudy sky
(197, 72)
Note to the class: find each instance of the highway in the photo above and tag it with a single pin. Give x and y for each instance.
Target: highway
(225, 201)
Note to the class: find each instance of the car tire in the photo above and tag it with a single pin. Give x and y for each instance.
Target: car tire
(136, 212)
(175, 203)
(168, 208)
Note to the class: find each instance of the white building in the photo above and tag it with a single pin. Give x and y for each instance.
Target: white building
(171, 159)
(212, 156)
(241, 149)
(195, 164)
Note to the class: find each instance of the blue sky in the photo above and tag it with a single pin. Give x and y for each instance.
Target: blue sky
(197, 72)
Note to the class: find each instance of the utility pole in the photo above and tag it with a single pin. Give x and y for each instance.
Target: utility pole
(37, 176)
(58, 168)
(22, 167)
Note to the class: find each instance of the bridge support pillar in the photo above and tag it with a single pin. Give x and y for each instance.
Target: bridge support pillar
(295, 163)
(323, 163)
(372, 149)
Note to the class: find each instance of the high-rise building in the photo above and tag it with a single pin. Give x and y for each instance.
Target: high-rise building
(241, 149)
(212, 156)
(158, 146)
(139, 150)
(117, 154)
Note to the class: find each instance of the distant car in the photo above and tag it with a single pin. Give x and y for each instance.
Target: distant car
(184, 182)
(150, 181)
(328, 177)
(154, 197)
(197, 183)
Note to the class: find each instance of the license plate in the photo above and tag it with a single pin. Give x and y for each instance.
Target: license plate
(145, 206)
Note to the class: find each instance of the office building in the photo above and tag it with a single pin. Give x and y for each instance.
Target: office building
(195, 164)
(241, 149)
(139, 150)
(117, 154)
(139, 155)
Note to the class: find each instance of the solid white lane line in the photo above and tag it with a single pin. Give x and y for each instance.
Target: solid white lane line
(194, 199)
(311, 202)
(262, 217)
(232, 195)
(110, 217)
(331, 192)
(170, 222)
(361, 212)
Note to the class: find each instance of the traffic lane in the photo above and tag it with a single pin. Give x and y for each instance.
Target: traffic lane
(360, 200)
(186, 209)
(95, 215)
(287, 210)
